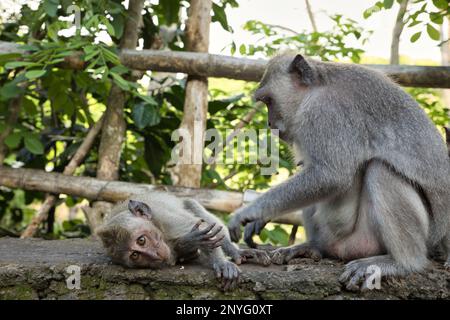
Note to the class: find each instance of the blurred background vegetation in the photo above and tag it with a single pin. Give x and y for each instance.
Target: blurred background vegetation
(59, 105)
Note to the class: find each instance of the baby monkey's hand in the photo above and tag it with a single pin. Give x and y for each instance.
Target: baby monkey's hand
(205, 239)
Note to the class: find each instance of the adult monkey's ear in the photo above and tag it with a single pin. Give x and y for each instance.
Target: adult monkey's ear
(300, 67)
(140, 209)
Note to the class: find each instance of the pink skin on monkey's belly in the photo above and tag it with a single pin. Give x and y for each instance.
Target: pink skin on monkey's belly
(360, 244)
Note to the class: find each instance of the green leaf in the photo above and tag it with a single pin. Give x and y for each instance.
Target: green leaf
(168, 11)
(220, 16)
(145, 115)
(242, 49)
(433, 32)
(8, 57)
(110, 28)
(437, 18)
(33, 144)
(120, 69)
(29, 106)
(33, 74)
(108, 25)
(233, 48)
(156, 153)
(121, 82)
(18, 64)
(388, 3)
(10, 90)
(278, 236)
(368, 12)
(441, 4)
(414, 23)
(148, 99)
(416, 36)
(13, 140)
(51, 7)
(28, 47)
(118, 24)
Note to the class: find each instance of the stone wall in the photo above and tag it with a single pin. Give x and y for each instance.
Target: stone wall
(36, 269)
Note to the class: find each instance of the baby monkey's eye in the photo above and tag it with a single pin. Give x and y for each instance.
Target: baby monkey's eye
(134, 255)
(141, 240)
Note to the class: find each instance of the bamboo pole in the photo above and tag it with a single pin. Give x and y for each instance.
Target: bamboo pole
(114, 191)
(221, 66)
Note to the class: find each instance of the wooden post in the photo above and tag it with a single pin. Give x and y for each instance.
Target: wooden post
(196, 99)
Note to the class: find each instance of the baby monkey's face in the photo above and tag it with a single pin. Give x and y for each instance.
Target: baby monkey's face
(147, 248)
(133, 240)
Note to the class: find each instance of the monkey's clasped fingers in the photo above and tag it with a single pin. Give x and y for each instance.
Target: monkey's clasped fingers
(255, 256)
(208, 238)
(228, 273)
(305, 250)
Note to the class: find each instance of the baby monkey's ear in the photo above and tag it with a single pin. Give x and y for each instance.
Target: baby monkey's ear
(140, 209)
(300, 67)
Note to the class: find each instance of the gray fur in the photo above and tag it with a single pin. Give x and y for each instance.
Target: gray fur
(373, 163)
(175, 221)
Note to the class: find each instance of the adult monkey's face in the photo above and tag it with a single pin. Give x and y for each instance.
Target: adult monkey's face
(283, 87)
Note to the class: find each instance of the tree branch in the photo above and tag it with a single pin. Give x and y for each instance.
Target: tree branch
(51, 199)
(311, 16)
(396, 33)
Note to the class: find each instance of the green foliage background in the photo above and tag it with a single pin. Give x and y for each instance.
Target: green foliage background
(58, 105)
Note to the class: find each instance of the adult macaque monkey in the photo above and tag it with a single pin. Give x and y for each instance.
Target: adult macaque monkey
(447, 138)
(158, 229)
(376, 179)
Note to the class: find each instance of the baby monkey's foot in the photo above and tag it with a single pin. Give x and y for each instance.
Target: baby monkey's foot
(304, 250)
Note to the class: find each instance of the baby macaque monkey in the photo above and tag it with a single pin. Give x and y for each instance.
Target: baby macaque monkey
(158, 229)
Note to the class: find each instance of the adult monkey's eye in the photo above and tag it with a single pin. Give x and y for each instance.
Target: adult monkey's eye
(141, 240)
(134, 255)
